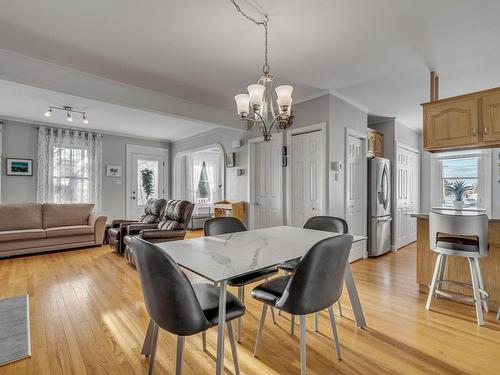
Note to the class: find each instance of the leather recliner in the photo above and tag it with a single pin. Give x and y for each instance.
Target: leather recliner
(172, 227)
(153, 212)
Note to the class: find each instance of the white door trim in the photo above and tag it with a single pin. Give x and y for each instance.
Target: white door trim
(201, 148)
(363, 137)
(132, 149)
(251, 178)
(289, 188)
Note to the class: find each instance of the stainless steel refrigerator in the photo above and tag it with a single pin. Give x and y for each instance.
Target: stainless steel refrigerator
(379, 206)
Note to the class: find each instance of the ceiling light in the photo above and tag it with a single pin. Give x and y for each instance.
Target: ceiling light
(48, 113)
(69, 111)
(260, 96)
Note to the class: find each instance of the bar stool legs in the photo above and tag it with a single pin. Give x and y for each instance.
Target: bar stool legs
(432, 288)
(475, 289)
(481, 285)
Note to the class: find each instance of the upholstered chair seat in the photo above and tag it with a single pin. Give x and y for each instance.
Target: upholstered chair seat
(152, 213)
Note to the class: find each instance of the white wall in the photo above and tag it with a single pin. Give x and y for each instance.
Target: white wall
(20, 141)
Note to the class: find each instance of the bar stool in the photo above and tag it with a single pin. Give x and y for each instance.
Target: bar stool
(462, 236)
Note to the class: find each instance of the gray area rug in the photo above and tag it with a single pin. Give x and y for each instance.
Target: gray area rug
(14, 329)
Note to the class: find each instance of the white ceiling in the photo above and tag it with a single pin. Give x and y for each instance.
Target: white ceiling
(374, 53)
(28, 103)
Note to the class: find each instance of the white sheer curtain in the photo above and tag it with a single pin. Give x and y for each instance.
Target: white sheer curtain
(69, 167)
(191, 179)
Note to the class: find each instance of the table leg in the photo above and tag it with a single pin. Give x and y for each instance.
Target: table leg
(354, 298)
(146, 347)
(222, 321)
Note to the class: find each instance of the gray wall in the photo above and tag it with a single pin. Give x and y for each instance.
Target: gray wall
(20, 141)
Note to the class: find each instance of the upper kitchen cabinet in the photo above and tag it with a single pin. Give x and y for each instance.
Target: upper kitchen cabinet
(467, 121)
(491, 117)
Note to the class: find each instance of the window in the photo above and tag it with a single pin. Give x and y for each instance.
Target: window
(470, 170)
(70, 175)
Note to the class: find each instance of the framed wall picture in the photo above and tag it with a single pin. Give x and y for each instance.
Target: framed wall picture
(19, 167)
(113, 170)
(231, 160)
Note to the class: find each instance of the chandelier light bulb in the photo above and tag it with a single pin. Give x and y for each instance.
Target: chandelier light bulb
(85, 121)
(48, 113)
(242, 103)
(68, 117)
(284, 93)
(256, 93)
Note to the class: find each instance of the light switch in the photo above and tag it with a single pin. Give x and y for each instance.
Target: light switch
(118, 182)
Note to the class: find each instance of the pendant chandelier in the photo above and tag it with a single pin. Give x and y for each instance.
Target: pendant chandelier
(257, 106)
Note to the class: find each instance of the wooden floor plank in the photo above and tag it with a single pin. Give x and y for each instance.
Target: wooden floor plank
(88, 317)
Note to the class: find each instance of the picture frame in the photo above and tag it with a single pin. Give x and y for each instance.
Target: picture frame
(113, 170)
(19, 167)
(230, 160)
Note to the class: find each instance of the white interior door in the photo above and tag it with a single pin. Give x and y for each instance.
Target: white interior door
(146, 180)
(267, 182)
(407, 197)
(355, 188)
(307, 168)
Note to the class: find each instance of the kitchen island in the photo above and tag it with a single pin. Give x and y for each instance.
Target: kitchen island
(457, 268)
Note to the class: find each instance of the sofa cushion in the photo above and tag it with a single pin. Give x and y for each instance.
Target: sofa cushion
(69, 241)
(20, 235)
(72, 230)
(20, 216)
(61, 215)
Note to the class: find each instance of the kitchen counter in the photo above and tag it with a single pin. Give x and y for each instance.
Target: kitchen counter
(493, 218)
(457, 268)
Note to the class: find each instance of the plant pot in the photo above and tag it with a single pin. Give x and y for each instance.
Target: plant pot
(459, 205)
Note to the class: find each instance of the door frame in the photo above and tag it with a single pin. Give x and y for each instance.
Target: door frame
(132, 149)
(364, 138)
(289, 178)
(252, 142)
(196, 149)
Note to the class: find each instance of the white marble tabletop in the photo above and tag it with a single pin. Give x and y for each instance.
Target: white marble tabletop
(226, 256)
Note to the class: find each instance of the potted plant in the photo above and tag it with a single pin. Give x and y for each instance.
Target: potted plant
(458, 188)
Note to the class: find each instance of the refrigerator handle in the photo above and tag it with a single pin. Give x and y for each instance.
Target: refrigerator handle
(385, 186)
(384, 218)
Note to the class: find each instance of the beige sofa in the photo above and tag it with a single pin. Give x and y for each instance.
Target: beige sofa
(32, 227)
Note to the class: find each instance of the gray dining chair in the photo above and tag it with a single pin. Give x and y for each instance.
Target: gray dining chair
(176, 305)
(327, 224)
(315, 284)
(462, 236)
(225, 225)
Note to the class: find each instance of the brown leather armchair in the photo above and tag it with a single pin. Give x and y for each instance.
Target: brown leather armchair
(172, 227)
(152, 214)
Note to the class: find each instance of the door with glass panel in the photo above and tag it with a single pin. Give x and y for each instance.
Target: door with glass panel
(147, 180)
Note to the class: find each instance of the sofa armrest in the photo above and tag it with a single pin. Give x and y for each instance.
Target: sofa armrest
(161, 235)
(118, 222)
(136, 228)
(99, 224)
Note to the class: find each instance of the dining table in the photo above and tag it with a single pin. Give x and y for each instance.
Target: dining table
(224, 257)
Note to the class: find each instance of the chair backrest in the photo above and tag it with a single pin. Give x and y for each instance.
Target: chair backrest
(327, 223)
(318, 279)
(223, 225)
(459, 226)
(153, 210)
(176, 215)
(169, 297)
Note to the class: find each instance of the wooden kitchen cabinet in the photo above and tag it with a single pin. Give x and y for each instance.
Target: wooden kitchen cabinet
(491, 117)
(467, 121)
(375, 143)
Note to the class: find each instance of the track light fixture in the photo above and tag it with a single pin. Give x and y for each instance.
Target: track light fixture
(69, 111)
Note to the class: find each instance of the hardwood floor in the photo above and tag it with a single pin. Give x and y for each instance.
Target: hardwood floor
(87, 317)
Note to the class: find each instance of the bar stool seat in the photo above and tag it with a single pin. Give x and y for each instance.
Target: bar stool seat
(463, 236)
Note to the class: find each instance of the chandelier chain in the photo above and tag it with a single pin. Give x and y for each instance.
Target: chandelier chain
(259, 23)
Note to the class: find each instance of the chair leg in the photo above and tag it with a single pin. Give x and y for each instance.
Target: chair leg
(334, 332)
(433, 282)
(498, 314)
(233, 348)
(339, 305)
(241, 297)
(303, 346)
(180, 352)
(481, 284)
(477, 294)
(261, 328)
(272, 315)
(204, 340)
(154, 340)
(292, 325)
(316, 322)
(442, 267)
